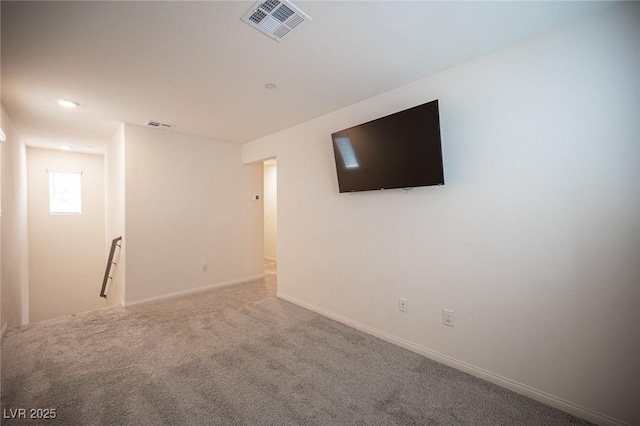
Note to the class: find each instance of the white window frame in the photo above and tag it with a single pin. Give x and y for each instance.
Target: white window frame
(65, 192)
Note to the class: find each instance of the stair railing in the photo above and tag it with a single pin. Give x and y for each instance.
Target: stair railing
(107, 272)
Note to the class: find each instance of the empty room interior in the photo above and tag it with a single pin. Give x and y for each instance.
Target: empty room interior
(320, 212)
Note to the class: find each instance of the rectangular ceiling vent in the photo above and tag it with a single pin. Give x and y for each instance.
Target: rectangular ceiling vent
(275, 18)
(159, 125)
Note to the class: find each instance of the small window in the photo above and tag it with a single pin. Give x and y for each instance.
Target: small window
(65, 194)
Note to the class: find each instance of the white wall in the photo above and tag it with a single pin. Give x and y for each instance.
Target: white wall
(270, 210)
(188, 200)
(66, 252)
(3, 324)
(15, 255)
(534, 240)
(114, 166)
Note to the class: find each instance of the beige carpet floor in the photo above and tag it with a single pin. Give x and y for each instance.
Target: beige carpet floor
(239, 355)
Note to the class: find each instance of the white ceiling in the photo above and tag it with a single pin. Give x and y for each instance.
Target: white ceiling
(198, 66)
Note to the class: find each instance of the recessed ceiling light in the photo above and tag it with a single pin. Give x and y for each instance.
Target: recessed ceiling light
(67, 104)
(270, 86)
(65, 147)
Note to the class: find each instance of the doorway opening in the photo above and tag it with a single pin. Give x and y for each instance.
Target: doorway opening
(270, 217)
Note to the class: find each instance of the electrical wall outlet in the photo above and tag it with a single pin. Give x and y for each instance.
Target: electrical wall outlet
(403, 305)
(448, 317)
(204, 266)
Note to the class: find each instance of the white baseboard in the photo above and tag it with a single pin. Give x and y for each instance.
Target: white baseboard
(193, 290)
(538, 395)
(4, 328)
(49, 320)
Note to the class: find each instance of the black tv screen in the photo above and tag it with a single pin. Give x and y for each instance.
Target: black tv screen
(401, 150)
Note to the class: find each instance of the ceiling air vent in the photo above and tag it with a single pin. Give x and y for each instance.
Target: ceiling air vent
(275, 18)
(158, 125)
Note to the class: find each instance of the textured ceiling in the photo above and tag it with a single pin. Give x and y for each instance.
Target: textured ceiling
(198, 66)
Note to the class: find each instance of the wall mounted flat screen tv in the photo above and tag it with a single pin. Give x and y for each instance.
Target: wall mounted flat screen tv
(401, 150)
